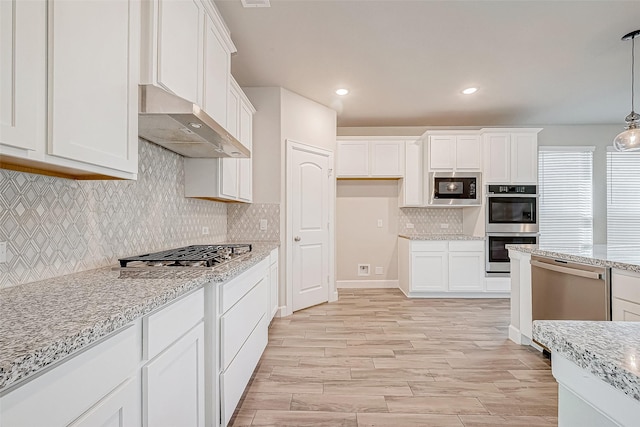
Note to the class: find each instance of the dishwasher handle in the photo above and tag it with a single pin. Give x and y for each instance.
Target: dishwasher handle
(567, 270)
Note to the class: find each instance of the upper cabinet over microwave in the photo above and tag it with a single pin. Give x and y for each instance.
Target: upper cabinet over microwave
(450, 152)
(370, 158)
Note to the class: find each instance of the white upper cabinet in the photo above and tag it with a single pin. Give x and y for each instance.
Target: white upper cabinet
(453, 152)
(411, 187)
(23, 74)
(93, 92)
(186, 49)
(226, 179)
(82, 121)
(370, 159)
(511, 156)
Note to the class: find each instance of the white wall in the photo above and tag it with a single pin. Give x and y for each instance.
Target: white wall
(359, 240)
(267, 164)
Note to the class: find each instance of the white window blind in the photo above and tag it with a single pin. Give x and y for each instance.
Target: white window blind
(623, 198)
(565, 177)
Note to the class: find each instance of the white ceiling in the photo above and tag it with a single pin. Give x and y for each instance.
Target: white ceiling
(405, 62)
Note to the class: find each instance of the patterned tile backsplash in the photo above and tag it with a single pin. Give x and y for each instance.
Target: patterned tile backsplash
(427, 221)
(56, 226)
(243, 222)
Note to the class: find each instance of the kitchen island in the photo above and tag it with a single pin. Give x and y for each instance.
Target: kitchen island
(597, 366)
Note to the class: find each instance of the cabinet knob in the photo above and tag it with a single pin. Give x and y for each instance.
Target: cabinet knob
(296, 239)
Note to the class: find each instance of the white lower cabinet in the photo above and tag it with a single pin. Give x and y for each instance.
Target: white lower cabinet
(442, 268)
(274, 283)
(99, 386)
(625, 296)
(243, 333)
(120, 408)
(173, 380)
(173, 383)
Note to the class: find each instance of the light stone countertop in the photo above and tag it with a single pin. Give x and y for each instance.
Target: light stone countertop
(608, 350)
(622, 257)
(418, 236)
(43, 322)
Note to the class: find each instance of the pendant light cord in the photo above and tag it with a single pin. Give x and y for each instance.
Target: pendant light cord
(633, 61)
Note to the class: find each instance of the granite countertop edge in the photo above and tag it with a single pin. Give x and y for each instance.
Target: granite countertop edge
(428, 236)
(16, 370)
(582, 259)
(607, 368)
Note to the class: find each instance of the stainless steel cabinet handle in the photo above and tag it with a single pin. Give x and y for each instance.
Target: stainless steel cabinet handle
(567, 270)
(296, 239)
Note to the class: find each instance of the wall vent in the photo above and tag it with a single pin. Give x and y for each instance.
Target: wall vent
(256, 3)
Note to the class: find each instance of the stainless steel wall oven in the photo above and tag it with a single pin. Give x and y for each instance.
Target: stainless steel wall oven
(511, 218)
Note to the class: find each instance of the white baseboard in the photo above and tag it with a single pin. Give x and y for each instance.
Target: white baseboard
(501, 295)
(514, 334)
(363, 284)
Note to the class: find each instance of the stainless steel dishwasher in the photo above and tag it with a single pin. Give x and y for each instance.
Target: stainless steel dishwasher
(562, 290)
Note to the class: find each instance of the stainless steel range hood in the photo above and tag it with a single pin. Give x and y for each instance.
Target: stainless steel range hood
(181, 126)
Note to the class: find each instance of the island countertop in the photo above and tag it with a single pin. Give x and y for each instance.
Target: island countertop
(608, 350)
(622, 257)
(43, 322)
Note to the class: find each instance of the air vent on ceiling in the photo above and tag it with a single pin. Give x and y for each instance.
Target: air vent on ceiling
(256, 3)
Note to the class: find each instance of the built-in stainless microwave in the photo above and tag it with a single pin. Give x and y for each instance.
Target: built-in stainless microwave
(455, 188)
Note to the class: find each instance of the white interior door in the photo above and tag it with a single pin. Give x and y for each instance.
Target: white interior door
(309, 207)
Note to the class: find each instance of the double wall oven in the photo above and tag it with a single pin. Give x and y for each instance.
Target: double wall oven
(511, 218)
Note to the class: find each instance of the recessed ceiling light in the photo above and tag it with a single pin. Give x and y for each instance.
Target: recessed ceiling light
(470, 90)
(256, 3)
(342, 92)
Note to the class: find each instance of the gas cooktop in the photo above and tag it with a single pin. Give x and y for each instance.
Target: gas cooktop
(189, 256)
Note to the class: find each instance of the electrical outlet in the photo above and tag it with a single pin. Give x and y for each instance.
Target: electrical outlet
(379, 270)
(409, 225)
(263, 225)
(205, 231)
(363, 269)
(379, 223)
(3, 252)
(444, 226)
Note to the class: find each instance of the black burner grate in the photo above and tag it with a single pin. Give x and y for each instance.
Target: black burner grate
(208, 255)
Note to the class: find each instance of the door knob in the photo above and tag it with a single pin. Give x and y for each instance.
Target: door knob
(296, 239)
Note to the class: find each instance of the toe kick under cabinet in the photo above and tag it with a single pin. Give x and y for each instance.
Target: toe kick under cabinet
(441, 268)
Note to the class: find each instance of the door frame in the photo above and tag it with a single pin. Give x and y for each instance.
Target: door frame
(288, 237)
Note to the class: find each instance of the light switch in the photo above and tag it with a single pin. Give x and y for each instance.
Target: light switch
(379, 223)
(409, 225)
(263, 225)
(379, 270)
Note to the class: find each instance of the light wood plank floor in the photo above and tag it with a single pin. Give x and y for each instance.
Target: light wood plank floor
(376, 358)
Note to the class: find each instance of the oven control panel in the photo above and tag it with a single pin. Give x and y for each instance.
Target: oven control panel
(511, 189)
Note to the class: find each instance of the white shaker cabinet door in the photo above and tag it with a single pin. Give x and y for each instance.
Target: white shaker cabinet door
(121, 408)
(468, 153)
(466, 271)
(179, 44)
(429, 271)
(93, 97)
(413, 182)
(245, 166)
(497, 158)
(217, 69)
(173, 384)
(352, 159)
(524, 158)
(387, 158)
(23, 73)
(441, 155)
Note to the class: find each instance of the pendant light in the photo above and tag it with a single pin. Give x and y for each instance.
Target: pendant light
(629, 139)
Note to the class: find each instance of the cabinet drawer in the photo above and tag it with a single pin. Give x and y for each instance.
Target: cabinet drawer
(234, 380)
(165, 326)
(235, 289)
(466, 245)
(236, 325)
(625, 287)
(65, 392)
(430, 246)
